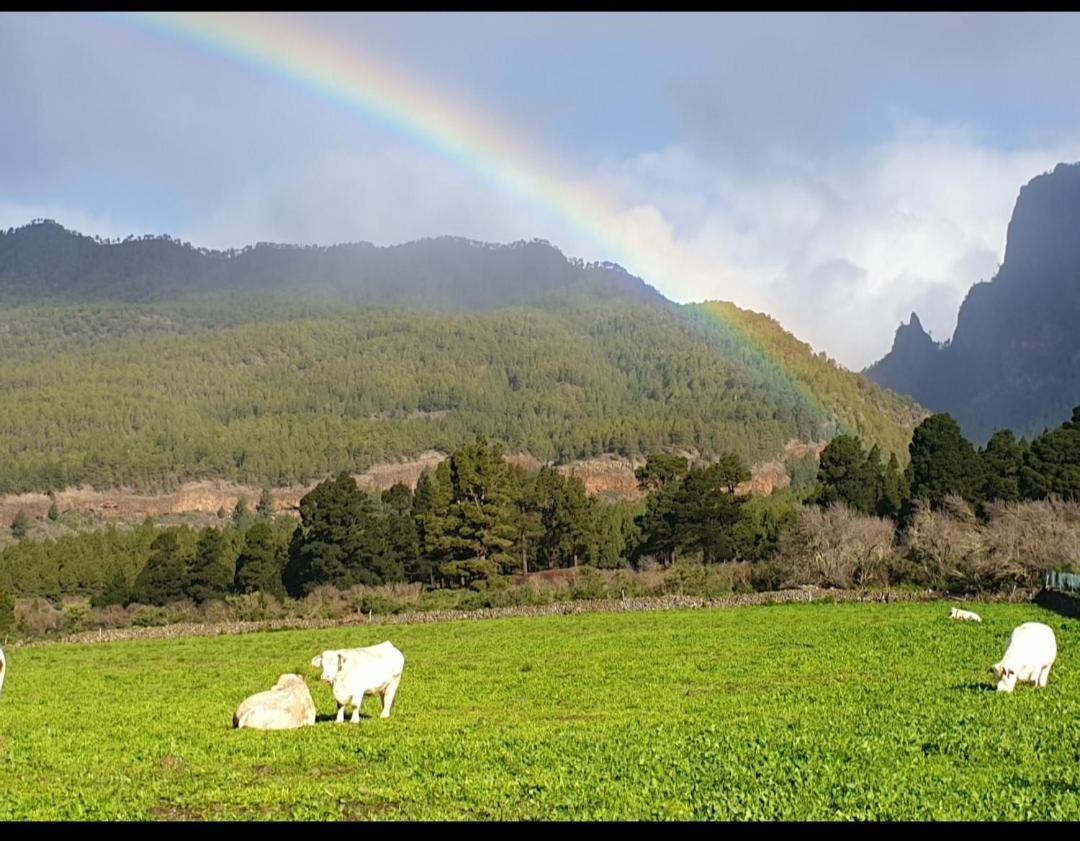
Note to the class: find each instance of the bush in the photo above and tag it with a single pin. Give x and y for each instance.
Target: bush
(254, 607)
(38, 617)
(587, 584)
(149, 616)
(836, 547)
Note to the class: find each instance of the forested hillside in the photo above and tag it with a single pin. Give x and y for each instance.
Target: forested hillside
(120, 375)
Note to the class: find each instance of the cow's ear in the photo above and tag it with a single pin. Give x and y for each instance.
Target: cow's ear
(340, 662)
(316, 661)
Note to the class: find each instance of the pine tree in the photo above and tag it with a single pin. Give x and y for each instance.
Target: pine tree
(943, 462)
(164, 578)
(265, 508)
(209, 577)
(259, 568)
(115, 591)
(20, 525)
(7, 613)
(894, 490)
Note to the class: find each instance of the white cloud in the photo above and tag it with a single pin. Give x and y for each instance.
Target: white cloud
(840, 250)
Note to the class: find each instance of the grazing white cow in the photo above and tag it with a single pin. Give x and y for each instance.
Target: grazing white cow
(355, 672)
(964, 615)
(3, 668)
(288, 705)
(1031, 652)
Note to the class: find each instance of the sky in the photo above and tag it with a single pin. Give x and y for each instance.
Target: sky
(835, 170)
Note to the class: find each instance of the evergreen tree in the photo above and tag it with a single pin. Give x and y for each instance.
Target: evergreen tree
(339, 539)
(209, 577)
(7, 614)
(1052, 466)
(660, 470)
(658, 524)
(54, 511)
(115, 591)
(528, 526)
(943, 462)
(259, 568)
(1003, 463)
(707, 512)
(164, 578)
(479, 533)
(846, 474)
(894, 492)
(265, 508)
(402, 540)
(567, 517)
(240, 514)
(20, 525)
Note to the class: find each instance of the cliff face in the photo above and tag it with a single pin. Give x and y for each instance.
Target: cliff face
(1014, 360)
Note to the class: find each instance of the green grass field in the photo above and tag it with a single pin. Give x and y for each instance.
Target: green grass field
(818, 711)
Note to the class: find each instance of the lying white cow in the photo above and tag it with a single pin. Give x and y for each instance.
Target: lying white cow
(964, 615)
(355, 672)
(1031, 652)
(286, 706)
(3, 668)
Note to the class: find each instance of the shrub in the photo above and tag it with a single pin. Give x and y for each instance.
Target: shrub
(836, 547)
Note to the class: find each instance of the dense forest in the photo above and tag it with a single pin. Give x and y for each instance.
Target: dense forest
(146, 382)
(949, 519)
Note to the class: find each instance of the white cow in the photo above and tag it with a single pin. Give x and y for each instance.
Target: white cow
(288, 705)
(355, 672)
(1031, 652)
(3, 668)
(964, 615)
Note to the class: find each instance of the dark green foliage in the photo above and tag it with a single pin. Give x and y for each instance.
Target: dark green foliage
(54, 511)
(850, 476)
(116, 591)
(240, 513)
(567, 519)
(259, 566)
(1053, 463)
(660, 470)
(402, 543)
(288, 394)
(1003, 464)
(943, 462)
(20, 524)
(479, 534)
(658, 524)
(265, 506)
(894, 490)
(7, 613)
(707, 511)
(761, 523)
(164, 578)
(341, 540)
(210, 577)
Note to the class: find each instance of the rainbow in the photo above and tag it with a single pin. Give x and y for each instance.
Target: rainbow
(294, 50)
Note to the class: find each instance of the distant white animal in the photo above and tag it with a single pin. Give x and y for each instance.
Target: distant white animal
(288, 705)
(355, 672)
(964, 615)
(1031, 652)
(3, 668)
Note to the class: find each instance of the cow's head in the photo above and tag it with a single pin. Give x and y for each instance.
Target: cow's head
(1006, 677)
(329, 662)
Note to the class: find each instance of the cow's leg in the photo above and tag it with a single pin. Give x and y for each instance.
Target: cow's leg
(1044, 676)
(340, 713)
(356, 712)
(388, 696)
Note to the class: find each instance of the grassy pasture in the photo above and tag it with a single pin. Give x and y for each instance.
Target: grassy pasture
(808, 711)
